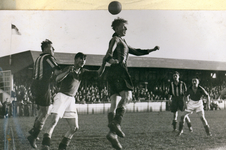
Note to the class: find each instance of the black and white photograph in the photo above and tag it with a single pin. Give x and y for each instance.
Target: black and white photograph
(113, 79)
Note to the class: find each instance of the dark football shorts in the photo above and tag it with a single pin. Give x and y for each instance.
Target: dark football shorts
(119, 79)
(177, 104)
(42, 94)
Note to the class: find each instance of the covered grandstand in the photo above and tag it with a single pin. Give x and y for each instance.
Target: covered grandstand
(151, 77)
(142, 69)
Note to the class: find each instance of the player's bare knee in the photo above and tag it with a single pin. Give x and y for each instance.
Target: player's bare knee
(202, 118)
(75, 129)
(126, 96)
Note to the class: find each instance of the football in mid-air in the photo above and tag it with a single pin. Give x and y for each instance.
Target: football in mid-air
(115, 7)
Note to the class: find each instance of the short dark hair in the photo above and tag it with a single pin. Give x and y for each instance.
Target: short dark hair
(196, 77)
(45, 44)
(80, 55)
(176, 72)
(117, 22)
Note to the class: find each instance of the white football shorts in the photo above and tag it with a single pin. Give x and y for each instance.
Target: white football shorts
(195, 106)
(64, 106)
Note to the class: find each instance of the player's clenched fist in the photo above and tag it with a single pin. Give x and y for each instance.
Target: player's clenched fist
(156, 48)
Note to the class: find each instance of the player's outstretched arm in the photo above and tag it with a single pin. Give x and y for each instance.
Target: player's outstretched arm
(154, 49)
(140, 52)
(208, 102)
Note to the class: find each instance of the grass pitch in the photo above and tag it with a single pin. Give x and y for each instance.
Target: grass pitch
(144, 131)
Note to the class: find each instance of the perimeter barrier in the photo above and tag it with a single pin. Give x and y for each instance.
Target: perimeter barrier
(131, 107)
(18, 109)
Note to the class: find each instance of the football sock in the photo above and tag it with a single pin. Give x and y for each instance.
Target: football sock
(110, 117)
(32, 129)
(181, 126)
(36, 132)
(189, 124)
(64, 143)
(62, 146)
(46, 140)
(119, 115)
(207, 129)
(174, 124)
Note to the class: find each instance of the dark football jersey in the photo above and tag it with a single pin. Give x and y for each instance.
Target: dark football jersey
(199, 93)
(70, 84)
(122, 50)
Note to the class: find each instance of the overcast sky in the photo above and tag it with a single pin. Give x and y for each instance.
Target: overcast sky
(199, 35)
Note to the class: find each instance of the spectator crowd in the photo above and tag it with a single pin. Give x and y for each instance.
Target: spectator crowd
(21, 102)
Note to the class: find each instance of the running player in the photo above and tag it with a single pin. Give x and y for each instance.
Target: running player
(44, 68)
(64, 101)
(195, 104)
(119, 79)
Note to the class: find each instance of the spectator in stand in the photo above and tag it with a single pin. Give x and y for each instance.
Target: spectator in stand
(9, 106)
(29, 106)
(34, 109)
(211, 94)
(108, 99)
(136, 92)
(160, 92)
(76, 99)
(216, 95)
(214, 105)
(83, 100)
(148, 96)
(102, 97)
(156, 97)
(106, 96)
(156, 92)
(141, 93)
(22, 92)
(133, 97)
(93, 98)
(151, 96)
(98, 97)
(165, 94)
(22, 108)
(5, 109)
